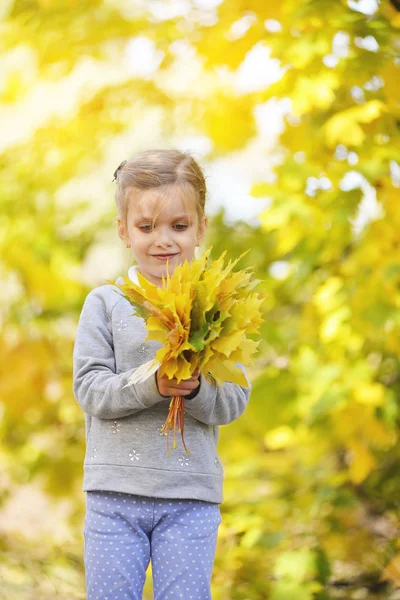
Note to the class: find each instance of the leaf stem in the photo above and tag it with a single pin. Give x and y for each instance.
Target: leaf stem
(176, 416)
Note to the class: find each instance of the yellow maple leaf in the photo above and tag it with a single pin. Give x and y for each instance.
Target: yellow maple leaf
(227, 344)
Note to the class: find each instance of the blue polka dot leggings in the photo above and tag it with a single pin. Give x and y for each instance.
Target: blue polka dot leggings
(124, 531)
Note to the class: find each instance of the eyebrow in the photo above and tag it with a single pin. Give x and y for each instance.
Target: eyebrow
(141, 218)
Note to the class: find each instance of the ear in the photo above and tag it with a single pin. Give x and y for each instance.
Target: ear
(202, 228)
(122, 231)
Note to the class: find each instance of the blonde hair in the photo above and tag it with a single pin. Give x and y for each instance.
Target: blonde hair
(161, 169)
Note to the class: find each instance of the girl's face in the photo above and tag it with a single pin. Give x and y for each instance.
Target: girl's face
(162, 232)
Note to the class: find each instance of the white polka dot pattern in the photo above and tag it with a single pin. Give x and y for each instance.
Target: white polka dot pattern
(123, 532)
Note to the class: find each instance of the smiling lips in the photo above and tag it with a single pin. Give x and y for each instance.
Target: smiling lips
(163, 257)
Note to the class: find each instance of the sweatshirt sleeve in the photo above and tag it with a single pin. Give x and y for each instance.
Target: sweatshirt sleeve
(99, 391)
(218, 404)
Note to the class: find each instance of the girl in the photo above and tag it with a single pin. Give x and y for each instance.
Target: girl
(142, 504)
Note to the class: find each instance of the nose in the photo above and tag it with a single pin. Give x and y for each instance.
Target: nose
(164, 237)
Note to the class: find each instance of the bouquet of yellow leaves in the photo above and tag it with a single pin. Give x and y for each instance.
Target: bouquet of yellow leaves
(201, 314)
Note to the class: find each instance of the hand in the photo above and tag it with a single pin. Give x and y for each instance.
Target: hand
(170, 387)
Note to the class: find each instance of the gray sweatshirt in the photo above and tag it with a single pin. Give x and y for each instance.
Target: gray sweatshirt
(125, 450)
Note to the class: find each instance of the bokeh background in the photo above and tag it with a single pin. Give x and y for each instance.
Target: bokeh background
(292, 108)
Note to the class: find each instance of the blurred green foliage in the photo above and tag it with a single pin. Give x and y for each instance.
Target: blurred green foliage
(312, 468)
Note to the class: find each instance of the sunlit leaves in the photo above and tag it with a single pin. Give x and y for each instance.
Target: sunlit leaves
(312, 93)
(344, 127)
(222, 112)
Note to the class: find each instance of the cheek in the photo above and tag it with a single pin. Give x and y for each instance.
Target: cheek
(188, 243)
(190, 237)
(140, 239)
(190, 246)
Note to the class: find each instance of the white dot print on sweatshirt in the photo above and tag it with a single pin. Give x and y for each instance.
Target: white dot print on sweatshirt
(121, 326)
(134, 455)
(115, 427)
(184, 460)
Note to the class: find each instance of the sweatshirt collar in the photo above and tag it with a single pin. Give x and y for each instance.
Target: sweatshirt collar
(132, 274)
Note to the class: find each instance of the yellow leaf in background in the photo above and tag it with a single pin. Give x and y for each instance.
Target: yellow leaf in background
(391, 76)
(332, 323)
(372, 394)
(344, 128)
(326, 297)
(369, 111)
(362, 461)
(392, 571)
(33, 361)
(374, 431)
(314, 92)
(295, 566)
(359, 430)
(290, 237)
(340, 130)
(279, 438)
(277, 216)
(223, 109)
(251, 537)
(358, 421)
(304, 50)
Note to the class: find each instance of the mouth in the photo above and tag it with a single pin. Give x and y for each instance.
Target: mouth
(164, 257)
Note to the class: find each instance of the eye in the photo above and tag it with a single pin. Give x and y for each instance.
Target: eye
(146, 227)
(181, 226)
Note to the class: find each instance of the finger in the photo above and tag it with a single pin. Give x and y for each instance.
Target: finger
(184, 383)
(189, 384)
(177, 392)
(174, 381)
